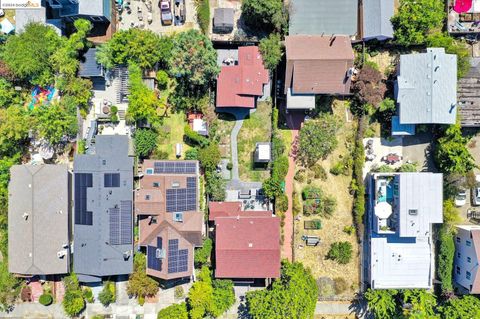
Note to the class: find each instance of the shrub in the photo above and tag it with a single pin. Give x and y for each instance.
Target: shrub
(203, 15)
(88, 294)
(281, 203)
(271, 49)
(300, 176)
(202, 255)
(278, 146)
(342, 167)
(162, 79)
(145, 142)
(178, 292)
(81, 146)
(193, 137)
(280, 168)
(175, 311)
(45, 299)
(296, 205)
(319, 172)
(446, 254)
(229, 166)
(408, 167)
(107, 295)
(341, 252)
(141, 300)
(191, 154)
(329, 205)
(341, 285)
(348, 229)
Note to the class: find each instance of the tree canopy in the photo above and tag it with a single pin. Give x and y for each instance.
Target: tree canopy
(452, 46)
(465, 307)
(145, 142)
(265, 15)
(56, 121)
(294, 295)
(139, 283)
(193, 61)
(318, 138)
(142, 47)
(271, 49)
(451, 153)
(175, 311)
(382, 302)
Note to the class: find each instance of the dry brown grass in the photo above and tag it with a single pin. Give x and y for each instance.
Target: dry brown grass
(226, 122)
(332, 228)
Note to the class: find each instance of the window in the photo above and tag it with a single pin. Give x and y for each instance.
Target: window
(413, 212)
(147, 197)
(469, 275)
(156, 184)
(469, 259)
(469, 243)
(458, 255)
(458, 239)
(149, 171)
(458, 270)
(178, 217)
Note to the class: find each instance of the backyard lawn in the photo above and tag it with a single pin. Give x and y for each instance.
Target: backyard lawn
(333, 227)
(171, 133)
(256, 128)
(225, 124)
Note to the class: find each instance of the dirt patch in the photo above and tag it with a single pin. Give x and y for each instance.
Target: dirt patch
(333, 227)
(225, 124)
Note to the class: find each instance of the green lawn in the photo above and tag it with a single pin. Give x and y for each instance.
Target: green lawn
(256, 128)
(171, 134)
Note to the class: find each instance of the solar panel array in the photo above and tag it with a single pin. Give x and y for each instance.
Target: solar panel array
(120, 221)
(152, 261)
(111, 180)
(182, 199)
(82, 182)
(177, 259)
(179, 167)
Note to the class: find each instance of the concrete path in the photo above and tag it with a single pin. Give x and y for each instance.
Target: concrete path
(234, 147)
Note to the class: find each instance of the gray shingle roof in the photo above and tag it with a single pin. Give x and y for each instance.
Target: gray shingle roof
(376, 19)
(223, 17)
(38, 219)
(105, 247)
(314, 17)
(426, 88)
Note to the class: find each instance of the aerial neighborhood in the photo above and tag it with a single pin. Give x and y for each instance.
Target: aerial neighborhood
(263, 159)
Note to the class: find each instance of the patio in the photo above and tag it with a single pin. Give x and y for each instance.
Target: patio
(381, 149)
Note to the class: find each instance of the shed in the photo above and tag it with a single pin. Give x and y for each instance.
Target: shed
(263, 152)
(223, 19)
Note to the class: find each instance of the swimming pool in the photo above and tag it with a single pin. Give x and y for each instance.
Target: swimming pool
(384, 191)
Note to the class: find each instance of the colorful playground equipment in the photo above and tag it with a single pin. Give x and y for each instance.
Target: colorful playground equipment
(41, 96)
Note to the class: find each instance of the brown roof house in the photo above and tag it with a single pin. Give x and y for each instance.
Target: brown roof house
(316, 65)
(38, 220)
(171, 225)
(466, 272)
(247, 243)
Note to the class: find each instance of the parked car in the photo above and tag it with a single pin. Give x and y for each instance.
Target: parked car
(476, 196)
(461, 198)
(166, 12)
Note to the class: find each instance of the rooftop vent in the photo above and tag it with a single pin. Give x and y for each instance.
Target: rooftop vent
(61, 253)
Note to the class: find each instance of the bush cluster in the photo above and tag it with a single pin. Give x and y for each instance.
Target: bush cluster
(45, 299)
(203, 15)
(446, 254)
(193, 137)
(341, 252)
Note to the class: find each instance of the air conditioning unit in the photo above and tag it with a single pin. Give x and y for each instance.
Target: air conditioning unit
(61, 253)
(160, 253)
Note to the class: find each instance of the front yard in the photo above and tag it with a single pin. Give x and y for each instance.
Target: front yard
(332, 229)
(256, 128)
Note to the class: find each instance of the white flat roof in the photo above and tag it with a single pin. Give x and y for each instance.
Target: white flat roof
(199, 125)
(400, 264)
(300, 101)
(264, 151)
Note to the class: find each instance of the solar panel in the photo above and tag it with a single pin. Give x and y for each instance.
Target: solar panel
(125, 222)
(114, 226)
(178, 167)
(177, 259)
(191, 182)
(181, 199)
(82, 182)
(152, 261)
(111, 180)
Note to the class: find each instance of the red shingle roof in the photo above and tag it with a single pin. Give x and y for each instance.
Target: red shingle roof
(232, 209)
(247, 247)
(239, 85)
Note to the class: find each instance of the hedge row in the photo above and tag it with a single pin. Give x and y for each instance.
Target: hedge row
(446, 254)
(358, 187)
(203, 15)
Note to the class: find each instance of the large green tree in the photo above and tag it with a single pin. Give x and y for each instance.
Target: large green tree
(271, 49)
(318, 138)
(381, 302)
(193, 61)
(28, 54)
(14, 127)
(56, 120)
(423, 303)
(294, 295)
(265, 15)
(175, 311)
(415, 19)
(145, 142)
(142, 47)
(466, 307)
(223, 296)
(8, 96)
(451, 152)
(139, 283)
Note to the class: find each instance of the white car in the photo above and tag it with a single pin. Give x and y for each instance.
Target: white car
(461, 198)
(476, 196)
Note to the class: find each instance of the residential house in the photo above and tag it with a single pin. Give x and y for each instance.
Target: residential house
(103, 191)
(323, 17)
(376, 19)
(403, 207)
(247, 243)
(316, 65)
(426, 88)
(467, 256)
(239, 85)
(38, 220)
(169, 217)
